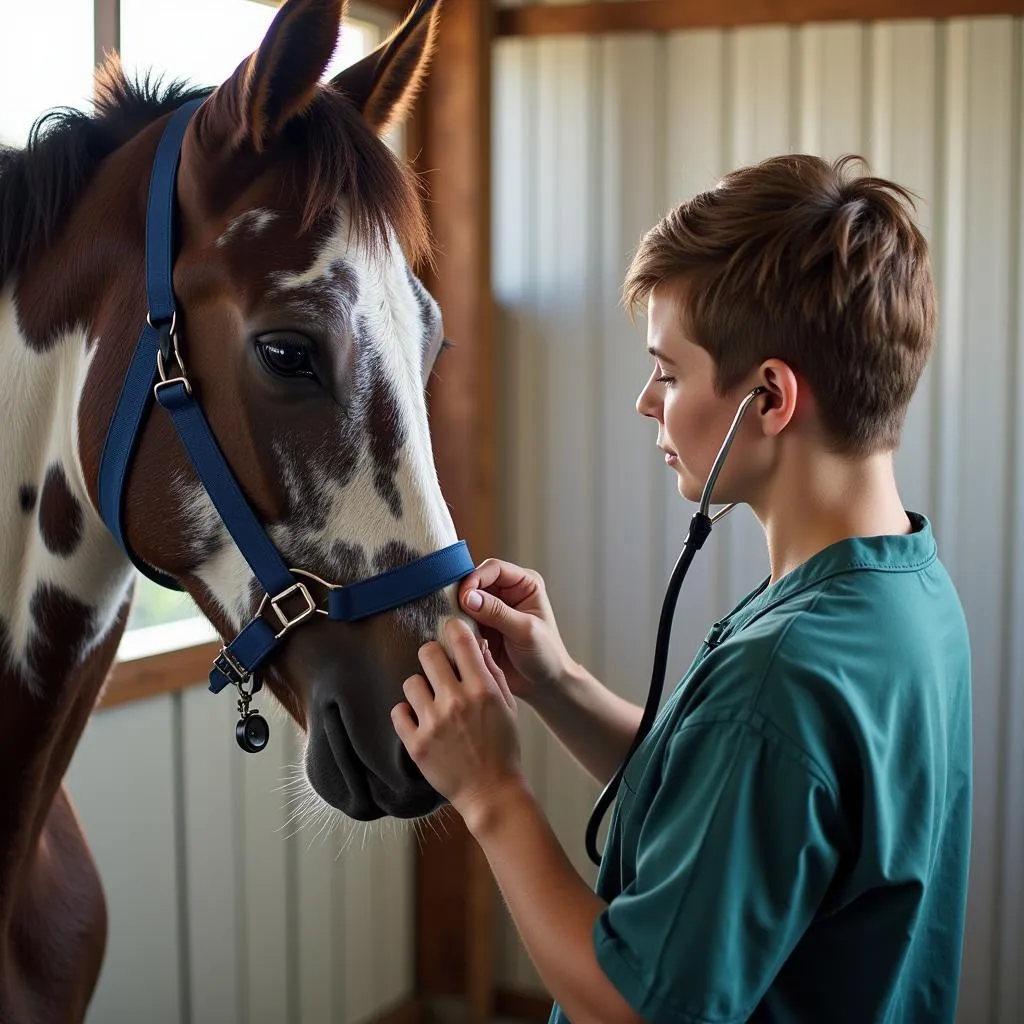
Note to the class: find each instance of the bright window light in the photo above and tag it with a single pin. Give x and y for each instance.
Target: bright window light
(46, 61)
(203, 41)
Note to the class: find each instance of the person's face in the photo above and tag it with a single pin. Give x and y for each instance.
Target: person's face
(692, 418)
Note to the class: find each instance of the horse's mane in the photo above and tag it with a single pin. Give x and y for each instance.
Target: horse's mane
(330, 152)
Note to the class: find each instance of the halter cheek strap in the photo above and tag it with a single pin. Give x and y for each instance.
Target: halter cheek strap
(157, 369)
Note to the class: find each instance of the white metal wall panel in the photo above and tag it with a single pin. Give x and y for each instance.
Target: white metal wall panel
(566, 261)
(516, 186)
(357, 909)
(265, 924)
(935, 105)
(211, 780)
(320, 951)
(632, 165)
(394, 913)
(126, 760)
(986, 379)
(220, 912)
(1009, 990)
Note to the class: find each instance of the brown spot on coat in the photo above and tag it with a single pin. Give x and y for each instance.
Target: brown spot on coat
(60, 514)
(27, 496)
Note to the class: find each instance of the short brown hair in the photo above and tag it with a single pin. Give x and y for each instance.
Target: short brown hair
(795, 258)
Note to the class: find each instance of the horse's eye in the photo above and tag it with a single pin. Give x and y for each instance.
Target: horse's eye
(285, 355)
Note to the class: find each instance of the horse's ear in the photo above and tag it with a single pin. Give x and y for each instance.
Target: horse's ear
(278, 81)
(384, 84)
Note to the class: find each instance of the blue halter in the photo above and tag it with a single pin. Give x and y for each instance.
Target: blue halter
(157, 369)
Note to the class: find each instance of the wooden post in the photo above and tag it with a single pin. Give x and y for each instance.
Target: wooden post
(106, 29)
(449, 141)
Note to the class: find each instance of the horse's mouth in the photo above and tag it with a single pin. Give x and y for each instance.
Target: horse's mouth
(340, 776)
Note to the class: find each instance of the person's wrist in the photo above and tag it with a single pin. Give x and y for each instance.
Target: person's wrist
(551, 691)
(488, 811)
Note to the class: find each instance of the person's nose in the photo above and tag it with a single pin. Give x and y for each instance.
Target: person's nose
(647, 403)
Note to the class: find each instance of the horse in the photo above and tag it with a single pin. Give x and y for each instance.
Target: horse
(309, 344)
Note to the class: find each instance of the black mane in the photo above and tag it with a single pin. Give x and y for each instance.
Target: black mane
(41, 183)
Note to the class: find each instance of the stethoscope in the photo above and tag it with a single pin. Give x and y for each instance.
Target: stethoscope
(700, 530)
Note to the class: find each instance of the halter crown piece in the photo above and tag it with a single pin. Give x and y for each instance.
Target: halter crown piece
(293, 596)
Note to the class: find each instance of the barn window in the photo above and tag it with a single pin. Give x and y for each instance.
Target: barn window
(56, 71)
(205, 40)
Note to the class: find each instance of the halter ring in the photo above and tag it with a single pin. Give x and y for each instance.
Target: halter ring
(287, 622)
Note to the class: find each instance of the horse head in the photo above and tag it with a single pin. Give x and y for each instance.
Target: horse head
(309, 344)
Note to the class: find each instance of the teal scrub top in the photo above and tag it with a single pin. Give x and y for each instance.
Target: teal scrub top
(791, 841)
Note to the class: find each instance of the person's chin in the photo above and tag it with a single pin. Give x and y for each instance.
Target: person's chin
(688, 487)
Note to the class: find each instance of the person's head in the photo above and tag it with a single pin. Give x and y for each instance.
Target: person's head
(797, 275)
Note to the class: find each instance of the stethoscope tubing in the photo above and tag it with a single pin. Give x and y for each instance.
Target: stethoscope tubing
(701, 524)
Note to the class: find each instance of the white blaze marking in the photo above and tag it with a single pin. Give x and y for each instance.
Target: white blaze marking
(251, 222)
(358, 515)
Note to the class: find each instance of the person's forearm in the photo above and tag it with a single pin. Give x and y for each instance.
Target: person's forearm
(554, 910)
(595, 725)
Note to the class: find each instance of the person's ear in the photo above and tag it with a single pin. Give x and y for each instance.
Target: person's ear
(785, 395)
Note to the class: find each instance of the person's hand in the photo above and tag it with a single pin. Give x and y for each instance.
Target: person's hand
(510, 604)
(461, 729)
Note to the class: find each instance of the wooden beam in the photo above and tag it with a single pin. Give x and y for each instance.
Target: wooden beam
(450, 142)
(142, 678)
(673, 15)
(522, 1006)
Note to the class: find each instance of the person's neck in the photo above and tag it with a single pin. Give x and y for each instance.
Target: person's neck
(817, 498)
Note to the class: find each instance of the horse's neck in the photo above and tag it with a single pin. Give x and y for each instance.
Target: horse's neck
(63, 584)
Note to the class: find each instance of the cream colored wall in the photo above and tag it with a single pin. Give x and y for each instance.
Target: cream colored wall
(594, 139)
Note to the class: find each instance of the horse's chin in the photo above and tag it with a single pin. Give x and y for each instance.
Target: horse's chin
(343, 780)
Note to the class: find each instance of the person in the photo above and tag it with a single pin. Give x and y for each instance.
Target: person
(791, 841)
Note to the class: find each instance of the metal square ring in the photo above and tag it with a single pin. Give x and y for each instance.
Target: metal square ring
(282, 615)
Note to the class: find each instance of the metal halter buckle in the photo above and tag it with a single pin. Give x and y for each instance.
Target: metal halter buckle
(161, 366)
(227, 664)
(282, 616)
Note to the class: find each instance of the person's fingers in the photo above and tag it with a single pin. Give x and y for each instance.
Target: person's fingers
(420, 697)
(488, 610)
(469, 659)
(499, 677)
(405, 724)
(490, 572)
(512, 582)
(439, 672)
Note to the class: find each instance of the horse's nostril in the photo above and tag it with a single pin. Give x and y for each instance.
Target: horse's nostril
(337, 737)
(364, 791)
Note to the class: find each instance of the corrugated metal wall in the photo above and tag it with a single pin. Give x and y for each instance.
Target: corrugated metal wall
(218, 913)
(594, 140)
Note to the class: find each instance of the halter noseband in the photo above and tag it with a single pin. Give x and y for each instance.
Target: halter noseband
(293, 596)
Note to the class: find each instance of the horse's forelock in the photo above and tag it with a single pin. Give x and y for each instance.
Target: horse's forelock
(333, 156)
